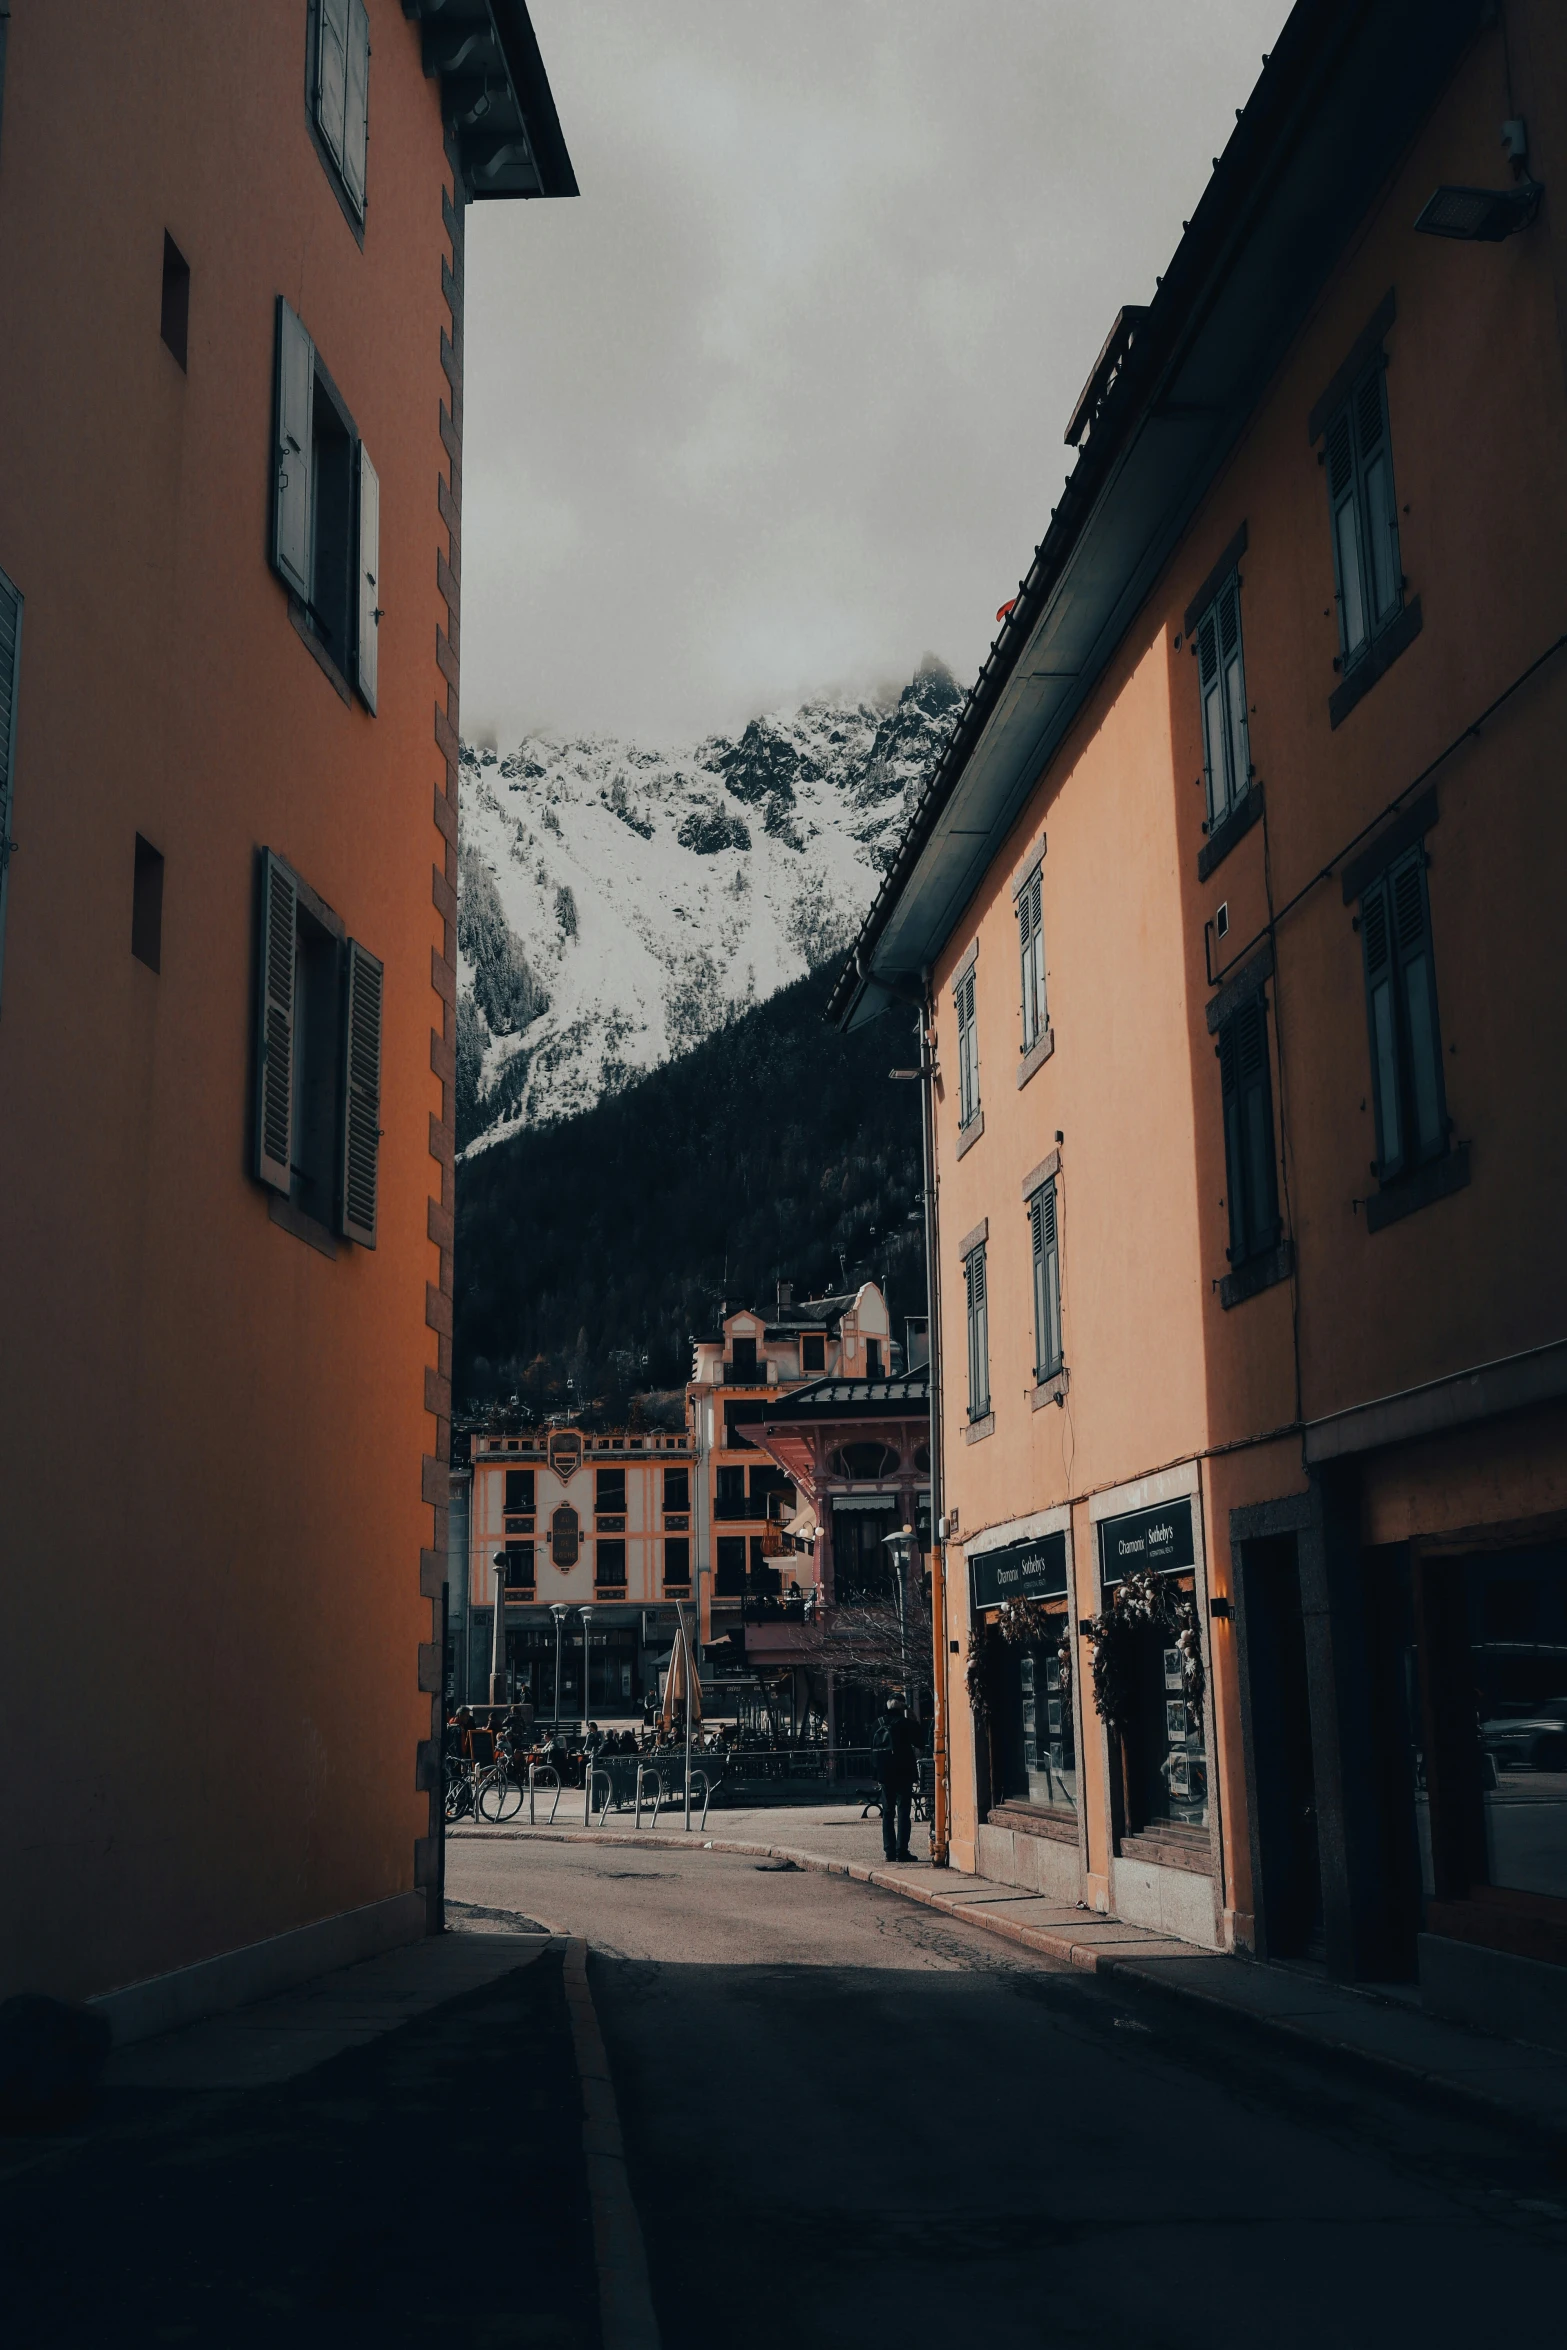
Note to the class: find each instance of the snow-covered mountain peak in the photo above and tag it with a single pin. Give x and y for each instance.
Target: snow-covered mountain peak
(618, 902)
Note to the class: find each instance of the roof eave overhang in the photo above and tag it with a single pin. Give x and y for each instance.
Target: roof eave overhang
(1342, 96)
(496, 98)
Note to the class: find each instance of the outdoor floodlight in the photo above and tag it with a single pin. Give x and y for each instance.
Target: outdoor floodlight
(1480, 216)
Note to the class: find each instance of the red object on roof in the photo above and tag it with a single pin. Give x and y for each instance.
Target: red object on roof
(1005, 609)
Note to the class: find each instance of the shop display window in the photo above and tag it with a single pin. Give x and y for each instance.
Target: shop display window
(1493, 1798)
(1038, 1752)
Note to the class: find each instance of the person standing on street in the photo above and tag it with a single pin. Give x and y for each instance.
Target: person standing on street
(895, 1755)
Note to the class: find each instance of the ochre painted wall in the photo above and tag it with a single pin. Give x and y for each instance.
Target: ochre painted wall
(1159, 1370)
(210, 1434)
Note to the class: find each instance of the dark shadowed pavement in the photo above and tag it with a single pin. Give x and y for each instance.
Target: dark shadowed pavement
(851, 2122)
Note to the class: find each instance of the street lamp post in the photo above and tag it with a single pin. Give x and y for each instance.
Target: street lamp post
(498, 1640)
(586, 1614)
(559, 1612)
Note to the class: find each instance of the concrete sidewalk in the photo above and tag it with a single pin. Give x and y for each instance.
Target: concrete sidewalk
(1384, 2029)
(349, 2156)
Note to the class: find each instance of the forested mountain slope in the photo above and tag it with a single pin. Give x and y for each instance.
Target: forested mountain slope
(593, 1250)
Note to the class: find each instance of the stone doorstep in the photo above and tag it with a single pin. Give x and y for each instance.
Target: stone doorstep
(1504, 2077)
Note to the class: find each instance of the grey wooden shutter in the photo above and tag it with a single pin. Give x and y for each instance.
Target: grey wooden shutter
(358, 1177)
(968, 1053)
(356, 103)
(1234, 1155)
(1344, 507)
(1047, 1282)
(11, 601)
(1251, 1178)
(367, 633)
(275, 952)
(1424, 1089)
(978, 1335)
(332, 73)
(1262, 1216)
(1236, 737)
(1376, 939)
(1031, 955)
(1211, 690)
(296, 370)
(1374, 461)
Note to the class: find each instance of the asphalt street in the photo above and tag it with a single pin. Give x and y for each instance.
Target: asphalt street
(849, 2121)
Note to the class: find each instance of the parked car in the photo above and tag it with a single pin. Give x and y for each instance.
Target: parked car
(1527, 1733)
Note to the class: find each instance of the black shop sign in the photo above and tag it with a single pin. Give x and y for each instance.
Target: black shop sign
(1146, 1538)
(1023, 1570)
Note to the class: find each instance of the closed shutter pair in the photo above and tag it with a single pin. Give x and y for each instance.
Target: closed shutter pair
(1359, 461)
(968, 1052)
(1047, 1281)
(343, 90)
(10, 674)
(292, 503)
(1251, 1177)
(1031, 951)
(1406, 1043)
(1222, 684)
(978, 1334)
(357, 1162)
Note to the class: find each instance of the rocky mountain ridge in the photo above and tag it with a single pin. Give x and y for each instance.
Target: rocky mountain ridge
(618, 903)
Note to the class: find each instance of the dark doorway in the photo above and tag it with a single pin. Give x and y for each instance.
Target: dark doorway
(1289, 1891)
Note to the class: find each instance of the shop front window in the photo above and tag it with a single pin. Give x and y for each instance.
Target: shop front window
(1039, 1753)
(1168, 1755)
(1494, 1657)
(1152, 1660)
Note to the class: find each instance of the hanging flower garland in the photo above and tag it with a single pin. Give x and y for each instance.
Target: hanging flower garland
(982, 1673)
(1142, 1603)
(1019, 1623)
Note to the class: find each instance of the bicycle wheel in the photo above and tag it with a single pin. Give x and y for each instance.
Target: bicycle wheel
(510, 1798)
(459, 1795)
(494, 1787)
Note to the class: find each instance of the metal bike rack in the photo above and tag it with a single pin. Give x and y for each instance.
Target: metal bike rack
(609, 1795)
(707, 1796)
(647, 1771)
(533, 1782)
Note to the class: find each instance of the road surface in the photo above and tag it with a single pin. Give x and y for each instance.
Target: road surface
(851, 2122)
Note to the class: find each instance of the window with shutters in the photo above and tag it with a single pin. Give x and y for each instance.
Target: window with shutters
(677, 1565)
(1045, 1251)
(968, 1050)
(326, 515)
(1250, 1165)
(1401, 1016)
(1221, 673)
(338, 97)
(1031, 950)
(978, 1334)
(519, 1566)
(10, 686)
(317, 1131)
(519, 1489)
(609, 1492)
(1364, 514)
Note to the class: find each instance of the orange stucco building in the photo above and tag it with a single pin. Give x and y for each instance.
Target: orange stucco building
(566, 1521)
(1232, 911)
(230, 545)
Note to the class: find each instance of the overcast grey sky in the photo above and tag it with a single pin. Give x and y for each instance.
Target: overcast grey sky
(775, 406)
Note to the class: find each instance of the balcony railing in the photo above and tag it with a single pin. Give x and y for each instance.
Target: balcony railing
(785, 1607)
